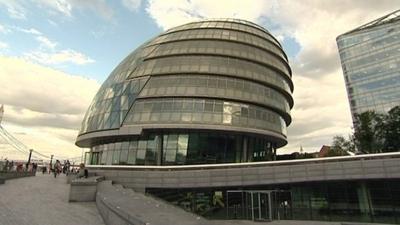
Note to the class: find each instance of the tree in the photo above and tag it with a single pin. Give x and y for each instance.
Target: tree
(373, 133)
(340, 146)
(391, 130)
(368, 132)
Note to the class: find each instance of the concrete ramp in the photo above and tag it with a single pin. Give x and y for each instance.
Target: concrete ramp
(120, 206)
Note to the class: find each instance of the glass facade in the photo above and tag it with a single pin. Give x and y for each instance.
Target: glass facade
(215, 65)
(201, 111)
(374, 201)
(161, 148)
(371, 65)
(214, 86)
(222, 34)
(229, 78)
(217, 47)
(228, 24)
(111, 105)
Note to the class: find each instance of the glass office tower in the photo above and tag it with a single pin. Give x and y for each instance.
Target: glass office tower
(370, 57)
(213, 91)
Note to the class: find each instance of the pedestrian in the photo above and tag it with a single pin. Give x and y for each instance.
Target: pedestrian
(83, 172)
(67, 166)
(11, 166)
(56, 168)
(20, 167)
(34, 168)
(6, 166)
(63, 167)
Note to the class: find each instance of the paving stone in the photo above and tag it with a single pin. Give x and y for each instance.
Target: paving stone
(43, 200)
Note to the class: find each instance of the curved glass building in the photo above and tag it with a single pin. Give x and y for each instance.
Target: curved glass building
(213, 91)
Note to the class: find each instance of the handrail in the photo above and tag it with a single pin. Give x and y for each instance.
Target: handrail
(254, 164)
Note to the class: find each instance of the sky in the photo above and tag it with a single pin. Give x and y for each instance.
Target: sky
(55, 54)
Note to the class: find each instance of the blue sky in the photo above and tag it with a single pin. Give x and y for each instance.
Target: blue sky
(54, 55)
(104, 39)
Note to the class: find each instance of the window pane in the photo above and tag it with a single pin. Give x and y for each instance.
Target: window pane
(116, 156)
(124, 156)
(109, 157)
(182, 148)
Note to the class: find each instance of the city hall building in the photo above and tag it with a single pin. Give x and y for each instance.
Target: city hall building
(195, 116)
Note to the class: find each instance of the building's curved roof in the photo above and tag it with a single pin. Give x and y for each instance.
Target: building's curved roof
(217, 74)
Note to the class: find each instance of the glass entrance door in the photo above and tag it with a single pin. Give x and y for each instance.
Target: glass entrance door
(251, 205)
(260, 206)
(265, 206)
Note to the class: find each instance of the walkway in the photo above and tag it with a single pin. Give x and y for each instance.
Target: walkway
(43, 200)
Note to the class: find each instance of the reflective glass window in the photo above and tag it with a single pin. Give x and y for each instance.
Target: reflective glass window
(182, 148)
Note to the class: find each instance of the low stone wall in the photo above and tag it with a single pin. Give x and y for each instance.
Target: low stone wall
(12, 175)
(71, 177)
(140, 178)
(112, 214)
(84, 189)
(120, 206)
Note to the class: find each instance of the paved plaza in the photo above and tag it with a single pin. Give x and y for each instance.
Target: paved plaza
(43, 200)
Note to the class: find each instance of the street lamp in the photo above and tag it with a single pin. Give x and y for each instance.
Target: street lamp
(51, 161)
(29, 159)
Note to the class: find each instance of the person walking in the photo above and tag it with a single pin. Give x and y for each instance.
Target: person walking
(34, 168)
(56, 168)
(11, 166)
(6, 165)
(67, 167)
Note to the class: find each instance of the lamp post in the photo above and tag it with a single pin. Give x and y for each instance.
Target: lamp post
(51, 161)
(29, 159)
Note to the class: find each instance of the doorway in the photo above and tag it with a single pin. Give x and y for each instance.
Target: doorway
(256, 205)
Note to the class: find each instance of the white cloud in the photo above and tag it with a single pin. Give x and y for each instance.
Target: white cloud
(47, 54)
(44, 41)
(62, 6)
(3, 45)
(15, 9)
(46, 108)
(51, 22)
(28, 31)
(66, 94)
(321, 107)
(176, 12)
(321, 111)
(66, 7)
(59, 57)
(132, 5)
(4, 29)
